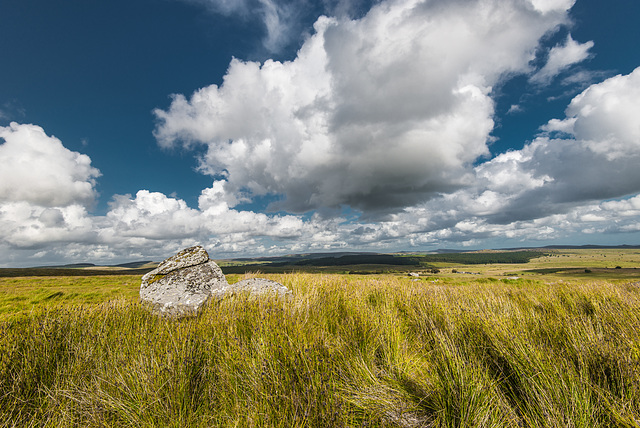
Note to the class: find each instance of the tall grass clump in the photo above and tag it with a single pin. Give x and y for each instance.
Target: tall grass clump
(345, 351)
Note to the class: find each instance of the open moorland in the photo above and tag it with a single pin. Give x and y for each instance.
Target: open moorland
(535, 339)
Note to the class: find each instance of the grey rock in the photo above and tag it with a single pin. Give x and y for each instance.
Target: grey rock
(183, 284)
(260, 287)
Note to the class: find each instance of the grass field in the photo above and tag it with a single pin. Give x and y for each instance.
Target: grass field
(25, 294)
(548, 349)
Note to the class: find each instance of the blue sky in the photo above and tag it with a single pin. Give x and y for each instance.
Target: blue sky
(131, 129)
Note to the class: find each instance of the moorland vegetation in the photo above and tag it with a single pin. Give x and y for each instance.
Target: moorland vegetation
(346, 351)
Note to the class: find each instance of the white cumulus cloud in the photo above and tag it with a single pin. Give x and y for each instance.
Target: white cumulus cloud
(595, 158)
(45, 190)
(377, 113)
(38, 169)
(25, 225)
(606, 116)
(550, 6)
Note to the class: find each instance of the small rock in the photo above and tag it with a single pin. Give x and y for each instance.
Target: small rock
(260, 286)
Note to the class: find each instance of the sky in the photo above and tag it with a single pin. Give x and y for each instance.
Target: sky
(132, 129)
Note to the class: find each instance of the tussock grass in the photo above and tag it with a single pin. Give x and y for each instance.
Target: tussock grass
(346, 351)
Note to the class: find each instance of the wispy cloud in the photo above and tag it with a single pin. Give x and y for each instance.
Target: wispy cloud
(11, 110)
(276, 16)
(561, 58)
(515, 109)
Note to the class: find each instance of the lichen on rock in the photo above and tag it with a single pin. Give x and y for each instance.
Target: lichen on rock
(191, 256)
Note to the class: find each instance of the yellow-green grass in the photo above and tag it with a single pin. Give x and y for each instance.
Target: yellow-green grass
(28, 294)
(22, 294)
(345, 351)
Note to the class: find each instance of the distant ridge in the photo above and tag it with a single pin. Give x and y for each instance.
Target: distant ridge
(577, 247)
(130, 265)
(69, 266)
(292, 258)
(134, 265)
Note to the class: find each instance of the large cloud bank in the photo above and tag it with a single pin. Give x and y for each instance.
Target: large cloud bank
(378, 113)
(45, 189)
(389, 115)
(562, 179)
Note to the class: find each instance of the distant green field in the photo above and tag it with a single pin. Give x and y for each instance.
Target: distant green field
(484, 257)
(23, 294)
(20, 293)
(386, 262)
(525, 262)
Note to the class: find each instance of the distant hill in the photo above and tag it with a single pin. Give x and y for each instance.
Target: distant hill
(60, 271)
(130, 265)
(291, 258)
(346, 257)
(353, 261)
(359, 259)
(594, 247)
(134, 265)
(69, 266)
(577, 247)
(81, 269)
